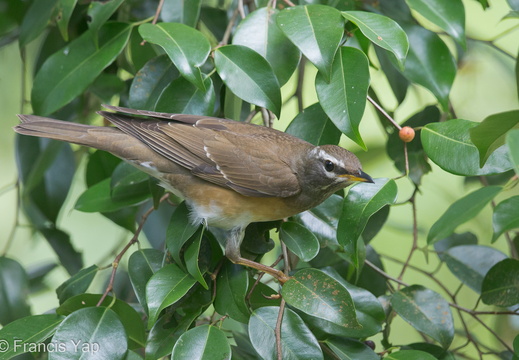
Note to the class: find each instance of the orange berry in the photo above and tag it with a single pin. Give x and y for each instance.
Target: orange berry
(406, 134)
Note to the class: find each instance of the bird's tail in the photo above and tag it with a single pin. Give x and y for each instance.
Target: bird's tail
(80, 134)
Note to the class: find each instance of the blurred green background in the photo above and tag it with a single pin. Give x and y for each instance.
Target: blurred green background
(485, 84)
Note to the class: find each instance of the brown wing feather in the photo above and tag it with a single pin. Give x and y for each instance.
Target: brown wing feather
(236, 155)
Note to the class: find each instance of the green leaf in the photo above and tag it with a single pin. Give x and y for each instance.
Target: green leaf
(299, 240)
(317, 294)
(316, 30)
(180, 230)
(470, 263)
(98, 198)
(429, 63)
(61, 243)
(100, 11)
(94, 331)
(101, 165)
(202, 342)
(349, 349)
(192, 259)
(466, 238)
(128, 316)
(313, 125)
(410, 355)
(512, 140)
(141, 267)
(418, 163)
(65, 9)
(362, 201)
(490, 134)
(36, 20)
(14, 289)
(427, 311)
(382, 31)
(77, 284)
(68, 72)
(343, 96)
(232, 284)
(460, 212)
(186, 47)
(501, 284)
(248, 75)
(166, 287)
(182, 97)
(259, 32)
(24, 333)
(150, 82)
(181, 11)
(129, 184)
(165, 333)
(448, 145)
(449, 15)
(297, 341)
(506, 216)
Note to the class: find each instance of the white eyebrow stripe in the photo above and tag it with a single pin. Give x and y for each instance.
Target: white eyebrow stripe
(322, 154)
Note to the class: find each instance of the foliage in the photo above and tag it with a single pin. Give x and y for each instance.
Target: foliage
(249, 61)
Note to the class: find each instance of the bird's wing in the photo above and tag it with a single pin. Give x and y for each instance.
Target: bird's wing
(217, 150)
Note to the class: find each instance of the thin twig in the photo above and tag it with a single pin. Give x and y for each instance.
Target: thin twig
(277, 331)
(415, 235)
(300, 81)
(118, 258)
(228, 30)
(157, 12)
(383, 112)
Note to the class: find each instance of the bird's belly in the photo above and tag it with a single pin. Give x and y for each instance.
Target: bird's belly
(227, 209)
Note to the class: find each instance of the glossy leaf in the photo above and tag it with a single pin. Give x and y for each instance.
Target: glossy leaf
(128, 316)
(98, 198)
(180, 229)
(449, 15)
(165, 288)
(398, 82)
(186, 47)
(460, 212)
(24, 332)
(301, 241)
(490, 134)
(150, 82)
(182, 97)
(259, 32)
(100, 11)
(448, 145)
(512, 140)
(77, 284)
(61, 243)
(501, 284)
(202, 342)
(317, 294)
(410, 355)
(65, 9)
(316, 30)
(349, 349)
(248, 75)
(343, 97)
(129, 184)
(362, 201)
(427, 311)
(313, 125)
(429, 63)
(470, 263)
(418, 162)
(192, 255)
(14, 289)
(506, 216)
(94, 330)
(232, 284)
(181, 11)
(382, 31)
(68, 72)
(466, 238)
(297, 341)
(35, 20)
(141, 267)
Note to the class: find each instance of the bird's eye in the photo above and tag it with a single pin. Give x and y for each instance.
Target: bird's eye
(328, 165)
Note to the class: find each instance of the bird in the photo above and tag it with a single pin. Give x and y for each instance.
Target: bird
(230, 173)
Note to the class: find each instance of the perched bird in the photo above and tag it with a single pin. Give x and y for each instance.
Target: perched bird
(230, 173)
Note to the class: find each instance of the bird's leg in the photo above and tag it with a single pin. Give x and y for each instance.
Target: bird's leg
(232, 251)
